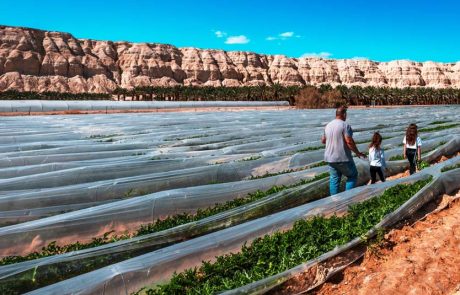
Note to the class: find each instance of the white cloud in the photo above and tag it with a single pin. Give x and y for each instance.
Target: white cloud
(317, 54)
(242, 39)
(282, 36)
(220, 34)
(287, 34)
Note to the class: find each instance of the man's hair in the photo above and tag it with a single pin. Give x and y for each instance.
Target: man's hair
(341, 111)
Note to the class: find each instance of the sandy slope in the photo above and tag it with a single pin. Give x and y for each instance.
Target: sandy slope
(423, 258)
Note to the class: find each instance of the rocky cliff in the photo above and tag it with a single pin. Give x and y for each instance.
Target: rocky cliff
(35, 60)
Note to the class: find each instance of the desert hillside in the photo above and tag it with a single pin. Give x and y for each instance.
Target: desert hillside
(36, 60)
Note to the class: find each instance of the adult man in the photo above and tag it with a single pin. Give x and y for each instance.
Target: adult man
(338, 137)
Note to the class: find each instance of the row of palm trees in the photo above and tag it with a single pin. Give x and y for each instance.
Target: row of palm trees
(354, 95)
(50, 95)
(209, 93)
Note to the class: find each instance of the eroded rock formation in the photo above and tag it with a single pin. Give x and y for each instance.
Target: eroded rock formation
(35, 60)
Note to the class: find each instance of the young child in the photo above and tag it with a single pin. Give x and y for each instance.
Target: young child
(412, 147)
(376, 158)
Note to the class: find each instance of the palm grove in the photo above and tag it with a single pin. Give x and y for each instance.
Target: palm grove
(305, 97)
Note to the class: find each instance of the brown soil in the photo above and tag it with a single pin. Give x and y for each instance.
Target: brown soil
(169, 110)
(423, 258)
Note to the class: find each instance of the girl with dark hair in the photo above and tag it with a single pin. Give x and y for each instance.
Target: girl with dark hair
(376, 158)
(412, 147)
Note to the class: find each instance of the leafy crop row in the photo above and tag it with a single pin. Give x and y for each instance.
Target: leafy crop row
(275, 253)
(314, 165)
(158, 225)
(438, 128)
(48, 274)
(401, 157)
(439, 122)
(452, 167)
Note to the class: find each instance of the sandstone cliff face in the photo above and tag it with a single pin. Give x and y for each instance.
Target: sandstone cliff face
(35, 60)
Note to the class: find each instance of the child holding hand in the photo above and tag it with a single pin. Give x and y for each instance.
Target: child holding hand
(376, 158)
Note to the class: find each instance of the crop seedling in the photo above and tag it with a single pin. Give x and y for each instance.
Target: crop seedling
(58, 273)
(448, 168)
(272, 254)
(158, 225)
(438, 128)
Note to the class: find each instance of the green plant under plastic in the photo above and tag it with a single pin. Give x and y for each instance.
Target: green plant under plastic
(422, 165)
(51, 273)
(439, 122)
(452, 167)
(158, 225)
(438, 128)
(278, 252)
(397, 158)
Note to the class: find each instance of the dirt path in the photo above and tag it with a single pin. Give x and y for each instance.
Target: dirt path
(423, 258)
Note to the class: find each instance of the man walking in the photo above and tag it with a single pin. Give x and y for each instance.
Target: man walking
(338, 137)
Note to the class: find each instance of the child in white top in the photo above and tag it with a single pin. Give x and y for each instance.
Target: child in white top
(376, 158)
(412, 147)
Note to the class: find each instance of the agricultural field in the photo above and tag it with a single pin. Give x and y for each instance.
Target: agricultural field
(199, 203)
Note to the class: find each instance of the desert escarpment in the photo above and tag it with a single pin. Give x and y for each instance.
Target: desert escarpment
(36, 60)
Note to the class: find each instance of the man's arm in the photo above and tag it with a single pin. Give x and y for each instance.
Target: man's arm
(352, 146)
(323, 139)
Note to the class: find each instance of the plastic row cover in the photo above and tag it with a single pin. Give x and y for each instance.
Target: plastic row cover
(61, 193)
(103, 255)
(75, 263)
(129, 214)
(92, 105)
(157, 267)
(317, 271)
(33, 204)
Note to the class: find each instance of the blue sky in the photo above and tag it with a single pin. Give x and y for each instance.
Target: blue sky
(379, 30)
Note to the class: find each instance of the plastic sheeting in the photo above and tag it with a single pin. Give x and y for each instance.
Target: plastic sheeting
(129, 214)
(130, 275)
(157, 163)
(90, 259)
(8, 106)
(330, 263)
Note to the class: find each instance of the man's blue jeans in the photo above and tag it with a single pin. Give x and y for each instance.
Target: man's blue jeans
(336, 170)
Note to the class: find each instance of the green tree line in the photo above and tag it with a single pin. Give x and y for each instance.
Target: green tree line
(306, 96)
(27, 95)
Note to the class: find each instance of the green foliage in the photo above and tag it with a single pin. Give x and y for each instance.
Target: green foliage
(319, 164)
(277, 173)
(397, 158)
(439, 122)
(14, 95)
(306, 96)
(252, 158)
(54, 249)
(438, 128)
(173, 221)
(422, 165)
(401, 157)
(158, 225)
(452, 167)
(310, 148)
(278, 252)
